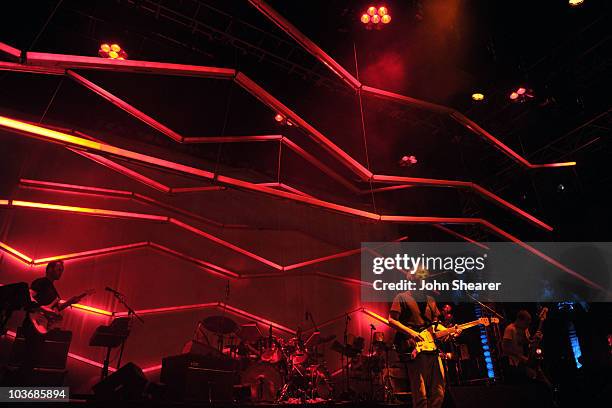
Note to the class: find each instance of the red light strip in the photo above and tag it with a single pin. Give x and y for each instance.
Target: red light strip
(318, 164)
(245, 314)
(125, 106)
(152, 368)
(92, 211)
(169, 309)
(94, 252)
(541, 255)
(51, 185)
(16, 67)
(323, 259)
(92, 310)
(458, 235)
(146, 67)
(225, 243)
(232, 139)
(18, 255)
(389, 188)
(306, 43)
(11, 52)
(123, 170)
(349, 79)
(209, 267)
(464, 184)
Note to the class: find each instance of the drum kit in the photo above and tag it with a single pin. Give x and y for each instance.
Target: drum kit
(272, 368)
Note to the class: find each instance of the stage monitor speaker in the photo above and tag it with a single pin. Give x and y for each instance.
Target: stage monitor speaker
(54, 354)
(127, 383)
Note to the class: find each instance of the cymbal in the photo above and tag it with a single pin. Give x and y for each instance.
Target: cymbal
(220, 324)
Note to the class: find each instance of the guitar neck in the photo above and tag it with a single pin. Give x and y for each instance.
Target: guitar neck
(463, 326)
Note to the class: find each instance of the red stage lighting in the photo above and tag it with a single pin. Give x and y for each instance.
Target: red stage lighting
(279, 118)
(373, 16)
(406, 161)
(112, 51)
(521, 94)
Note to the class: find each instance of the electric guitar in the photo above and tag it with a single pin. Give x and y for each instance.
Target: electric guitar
(535, 352)
(426, 340)
(44, 317)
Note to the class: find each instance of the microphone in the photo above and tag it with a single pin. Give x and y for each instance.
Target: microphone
(372, 327)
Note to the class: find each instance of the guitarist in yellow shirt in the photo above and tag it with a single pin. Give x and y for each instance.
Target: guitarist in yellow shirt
(425, 370)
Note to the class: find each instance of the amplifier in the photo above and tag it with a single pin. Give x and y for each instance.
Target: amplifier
(194, 377)
(55, 350)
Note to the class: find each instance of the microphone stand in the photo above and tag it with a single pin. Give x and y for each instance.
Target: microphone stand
(485, 306)
(131, 314)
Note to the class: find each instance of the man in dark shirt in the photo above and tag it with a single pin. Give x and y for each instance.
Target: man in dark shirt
(43, 292)
(425, 372)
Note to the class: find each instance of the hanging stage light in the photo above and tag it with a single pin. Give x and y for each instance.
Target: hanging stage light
(477, 96)
(373, 16)
(112, 51)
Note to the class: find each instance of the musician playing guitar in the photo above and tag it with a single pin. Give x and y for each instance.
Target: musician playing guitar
(38, 319)
(519, 346)
(425, 370)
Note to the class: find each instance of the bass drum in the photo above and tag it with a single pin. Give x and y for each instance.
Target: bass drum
(264, 380)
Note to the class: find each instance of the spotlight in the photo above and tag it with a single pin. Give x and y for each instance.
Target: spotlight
(282, 120)
(477, 96)
(521, 94)
(112, 51)
(407, 161)
(538, 351)
(373, 15)
(575, 3)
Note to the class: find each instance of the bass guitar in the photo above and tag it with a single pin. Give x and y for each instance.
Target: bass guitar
(44, 317)
(534, 361)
